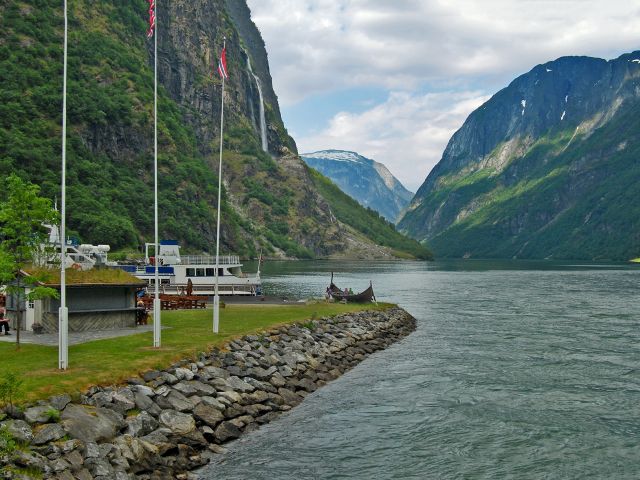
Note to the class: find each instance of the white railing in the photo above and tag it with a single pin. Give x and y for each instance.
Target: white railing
(209, 260)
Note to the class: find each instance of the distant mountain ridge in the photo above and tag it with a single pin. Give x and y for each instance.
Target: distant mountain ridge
(369, 182)
(547, 168)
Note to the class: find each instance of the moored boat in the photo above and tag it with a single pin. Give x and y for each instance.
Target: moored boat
(362, 297)
(194, 273)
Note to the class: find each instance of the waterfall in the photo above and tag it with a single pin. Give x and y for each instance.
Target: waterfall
(263, 123)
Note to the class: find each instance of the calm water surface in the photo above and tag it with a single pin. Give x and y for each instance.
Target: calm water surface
(516, 370)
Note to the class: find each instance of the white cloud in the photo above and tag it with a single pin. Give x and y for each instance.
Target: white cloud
(320, 45)
(407, 133)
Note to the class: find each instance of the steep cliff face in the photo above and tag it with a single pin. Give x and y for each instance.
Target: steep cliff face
(367, 181)
(540, 170)
(270, 201)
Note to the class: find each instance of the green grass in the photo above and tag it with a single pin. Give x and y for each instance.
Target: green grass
(110, 361)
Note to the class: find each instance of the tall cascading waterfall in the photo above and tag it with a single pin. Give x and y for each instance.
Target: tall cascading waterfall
(263, 123)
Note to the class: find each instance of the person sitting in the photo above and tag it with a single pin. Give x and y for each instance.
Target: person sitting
(141, 313)
(4, 321)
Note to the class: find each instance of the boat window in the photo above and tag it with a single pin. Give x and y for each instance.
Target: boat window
(221, 272)
(211, 272)
(191, 272)
(199, 272)
(164, 281)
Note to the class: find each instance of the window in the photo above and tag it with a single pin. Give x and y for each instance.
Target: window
(211, 272)
(31, 305)
(199, 272)
(191, 272)
(221, 272)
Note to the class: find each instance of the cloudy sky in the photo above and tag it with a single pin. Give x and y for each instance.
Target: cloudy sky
(393, 79)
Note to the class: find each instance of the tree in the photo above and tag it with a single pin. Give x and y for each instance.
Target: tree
(23, 214)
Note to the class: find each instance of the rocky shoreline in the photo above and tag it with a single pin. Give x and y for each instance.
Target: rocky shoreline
(159, 425)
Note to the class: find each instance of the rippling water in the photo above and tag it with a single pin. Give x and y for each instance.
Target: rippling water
(516, 370)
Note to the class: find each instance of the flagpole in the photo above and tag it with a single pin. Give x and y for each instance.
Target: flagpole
(63, 312)
(216, 297)
(156, 300)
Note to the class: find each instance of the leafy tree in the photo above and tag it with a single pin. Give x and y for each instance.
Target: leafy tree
(23, 214)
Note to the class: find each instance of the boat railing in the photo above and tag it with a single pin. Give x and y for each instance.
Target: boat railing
(209, 260)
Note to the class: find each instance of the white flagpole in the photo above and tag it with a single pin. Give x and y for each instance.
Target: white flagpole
(156, 300)
(216, 297)
(63, 312)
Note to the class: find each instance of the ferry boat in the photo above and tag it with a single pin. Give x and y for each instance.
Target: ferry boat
(175, 271)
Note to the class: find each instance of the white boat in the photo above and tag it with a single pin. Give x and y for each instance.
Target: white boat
(79, 257)
(175, 271)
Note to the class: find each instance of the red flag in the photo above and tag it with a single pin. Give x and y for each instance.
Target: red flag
(222, 64)
(152, 18)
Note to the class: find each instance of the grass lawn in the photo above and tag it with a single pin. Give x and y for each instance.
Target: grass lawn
(104, 362)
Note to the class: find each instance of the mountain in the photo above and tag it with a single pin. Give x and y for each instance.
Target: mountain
(270, 198)
(365, 180)
(547, 168)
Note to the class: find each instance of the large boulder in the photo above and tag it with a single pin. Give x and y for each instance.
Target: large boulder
(208, 414)
(91, 424)
(141, 425)
(38, 414)
(226, 431)
(179, 423)
(48, 433)
(19, 429)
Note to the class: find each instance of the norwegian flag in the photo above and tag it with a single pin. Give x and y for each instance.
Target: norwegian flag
(222, 64)
(152, 18)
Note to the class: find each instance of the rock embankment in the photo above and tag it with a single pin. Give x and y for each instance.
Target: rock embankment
(159, 425)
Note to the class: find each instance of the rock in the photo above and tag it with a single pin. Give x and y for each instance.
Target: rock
(74, 459)
(144, 390)
(60, 401)
(48, 433)
(145, 404)
(256, 410)
(257, 397)
(202, 388)
(123, 402)
(168, 378)
(159, 439)
(141, 425)
(208, 414)
(29, 460)
(150, 375)
(277, 380)
(291, 398)
(186, 389)
(231, 396)
(214, 403)
(239, 385)
(174, 401)
(99, 467)
(215, 372)
(184, 374)
(226, 431)
(91, 424)
(66, 475)
(38, 414)
(179, 423)
(19, 429)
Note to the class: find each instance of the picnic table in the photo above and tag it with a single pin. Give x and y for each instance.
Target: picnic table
(176, 302)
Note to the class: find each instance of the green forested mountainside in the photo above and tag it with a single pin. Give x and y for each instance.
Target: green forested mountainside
(548, 168)
(369, 222)
(269, 201)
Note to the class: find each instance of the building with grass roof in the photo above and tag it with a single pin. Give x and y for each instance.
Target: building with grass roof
(98, 299)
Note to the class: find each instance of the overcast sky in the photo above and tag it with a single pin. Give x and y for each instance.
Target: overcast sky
(393, 79)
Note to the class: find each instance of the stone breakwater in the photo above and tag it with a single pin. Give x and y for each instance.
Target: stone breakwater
(159, 425)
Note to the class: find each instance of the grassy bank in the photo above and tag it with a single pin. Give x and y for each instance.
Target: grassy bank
(114, 360)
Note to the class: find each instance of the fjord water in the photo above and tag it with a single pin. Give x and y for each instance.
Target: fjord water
(516, 370)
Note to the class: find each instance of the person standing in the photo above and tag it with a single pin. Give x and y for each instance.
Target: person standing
(4, 321)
